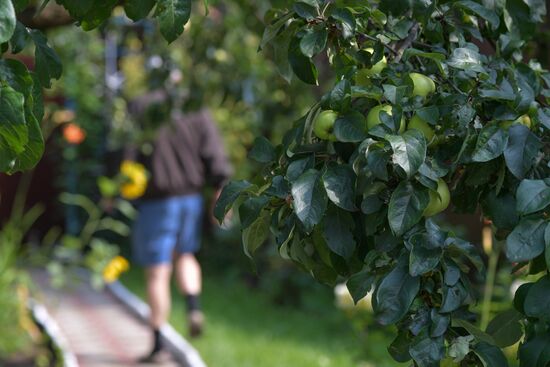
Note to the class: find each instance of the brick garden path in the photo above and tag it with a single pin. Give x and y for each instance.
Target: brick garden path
(99, 330)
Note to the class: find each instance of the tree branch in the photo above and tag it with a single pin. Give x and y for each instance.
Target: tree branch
(413, 33)
(51, 16)
(377, 40)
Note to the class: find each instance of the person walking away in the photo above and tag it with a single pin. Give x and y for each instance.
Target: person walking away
(187, 155)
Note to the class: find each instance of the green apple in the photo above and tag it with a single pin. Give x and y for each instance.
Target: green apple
(419, 124)
(362, 77)
(423, 85)
(523, 119)
(373, 117)
(323, 126)
(439, 200)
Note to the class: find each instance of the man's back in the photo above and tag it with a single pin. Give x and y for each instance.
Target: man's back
(188, 153)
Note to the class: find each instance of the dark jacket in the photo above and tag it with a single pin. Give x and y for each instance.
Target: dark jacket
(187, 155)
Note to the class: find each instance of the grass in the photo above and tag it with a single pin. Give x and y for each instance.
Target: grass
(245, 329)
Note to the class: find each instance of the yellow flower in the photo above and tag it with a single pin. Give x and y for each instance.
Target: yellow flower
(114, 268)
(136, 180)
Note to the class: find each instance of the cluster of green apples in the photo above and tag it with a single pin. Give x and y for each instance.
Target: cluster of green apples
(323, 126)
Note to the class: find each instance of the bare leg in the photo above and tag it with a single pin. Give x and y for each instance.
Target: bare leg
(188, 274)
(158, 293)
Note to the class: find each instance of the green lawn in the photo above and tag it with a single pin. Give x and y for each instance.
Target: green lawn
(244, 328)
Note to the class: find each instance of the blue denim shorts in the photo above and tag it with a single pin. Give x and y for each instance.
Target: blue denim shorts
(166, 226)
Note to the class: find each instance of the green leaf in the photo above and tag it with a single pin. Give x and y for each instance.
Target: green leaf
(7, 20)
(347, 21)
(302, 66)
(305, 11)
(339, 182)
(395, 295)
(262, 151)
(314, 41)
(299, 166)
(436, 57)
(338, 228)
(473, 330)
(256, 234)
(250, 209)
(280, 54)
(521, 294)
(229, 194)
(505, 92)
(13, 127)
(350, 127)
(360, 284)
(97, 14)
(77, 8)
(409, 150)
(439, 324)
(34, 147)
(423, 257)
(273, 29)
(480, 10)
(18, 77)
(279, 187)
(427, 352)
(490, 144)
(394, 94)
(505, 328)
(399, 348)
(138, 9)
(460, 347)
(453, 297)
(501, 209)
(521, 151)
(532, 196)
(466, 59)
(37, 98)
(407, 203)
(547, 249)
(490, 355)
(520, 14)
(535, 352)
(340, 96)
(172, 16)
(20, 5)
(48, 66)
(20, 38)
(537, 302)
(310, 199)
(526, 240)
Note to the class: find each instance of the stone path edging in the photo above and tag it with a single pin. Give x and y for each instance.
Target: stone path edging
(43, 317)
(178, 346)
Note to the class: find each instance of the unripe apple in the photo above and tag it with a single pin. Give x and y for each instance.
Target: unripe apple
(362, 77)
(419, 124)
(323, 126)
(523, 119)
(439, 200)
(423, 85)
(373, 117)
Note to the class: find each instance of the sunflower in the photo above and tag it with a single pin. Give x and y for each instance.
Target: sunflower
(114, 268)
(135, 180)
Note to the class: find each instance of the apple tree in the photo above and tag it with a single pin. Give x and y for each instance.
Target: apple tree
(432, 103)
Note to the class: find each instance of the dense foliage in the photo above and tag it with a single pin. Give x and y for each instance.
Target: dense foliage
(432, 101)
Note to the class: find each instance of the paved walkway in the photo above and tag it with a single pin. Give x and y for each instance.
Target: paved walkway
(100, 331)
